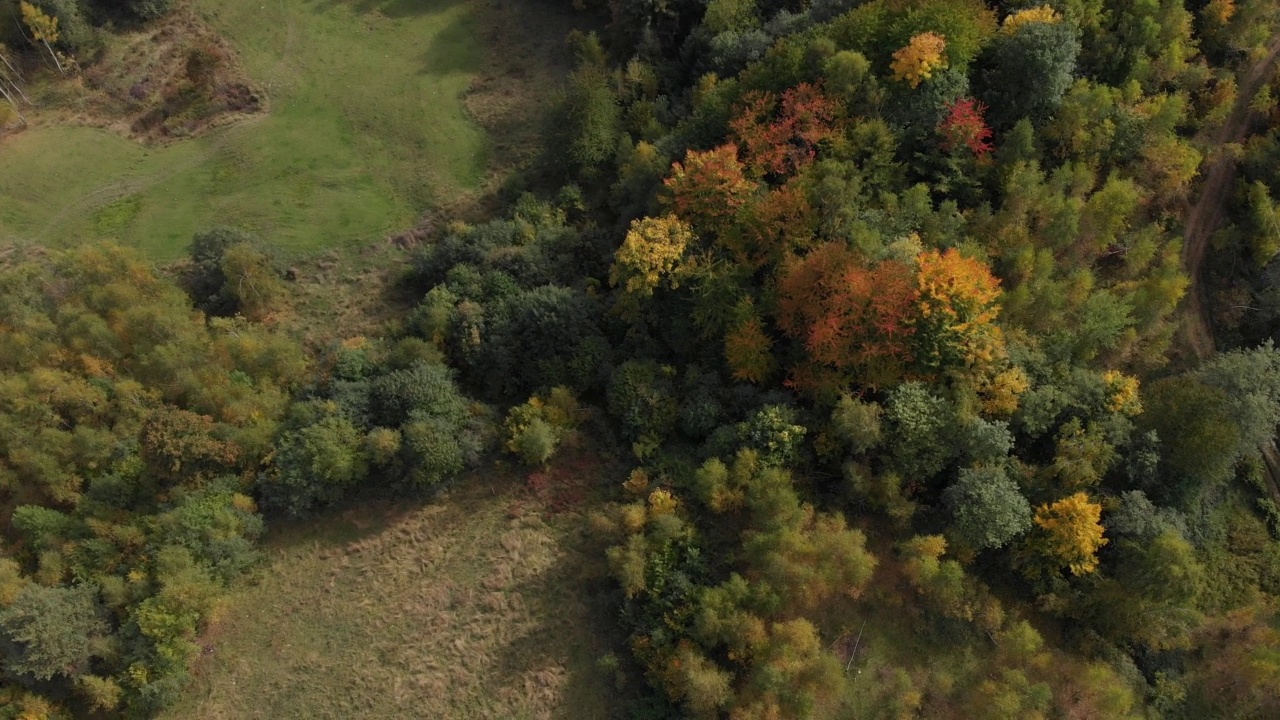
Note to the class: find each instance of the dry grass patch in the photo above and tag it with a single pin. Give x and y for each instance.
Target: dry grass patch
(174, 78)
(466, 607)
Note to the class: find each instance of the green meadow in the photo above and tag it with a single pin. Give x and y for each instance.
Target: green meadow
(366, 130)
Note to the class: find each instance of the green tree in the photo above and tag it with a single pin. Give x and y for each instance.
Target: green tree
(986, 508)
(1025, 73)
(51, 632)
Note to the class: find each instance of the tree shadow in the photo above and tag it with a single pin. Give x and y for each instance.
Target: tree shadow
(577, 610)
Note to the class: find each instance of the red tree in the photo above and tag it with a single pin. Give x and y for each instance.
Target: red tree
(965, 124)
(850, 315)
(708, 188)
(782, 137)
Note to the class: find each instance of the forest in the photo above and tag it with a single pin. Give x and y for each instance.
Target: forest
(944, 327)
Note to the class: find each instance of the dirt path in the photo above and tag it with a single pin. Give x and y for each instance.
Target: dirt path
(1206, 215)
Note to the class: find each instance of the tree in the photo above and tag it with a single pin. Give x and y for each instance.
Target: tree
(253, 283)
(921, 439)
(1026, 72)
(51, 631)
(771, 228)
(857, 423)
(964, 126)
(918, 59)
(315, 465)
(650, 255)
(780, 136)
(592, 118)
(987, 510)
(955, 324)
(747, 348)
(708, 188)
(1071, 533)
(44, 29)
(848, 314)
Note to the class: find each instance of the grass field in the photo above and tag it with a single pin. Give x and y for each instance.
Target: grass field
(367, 129)
(470, 606)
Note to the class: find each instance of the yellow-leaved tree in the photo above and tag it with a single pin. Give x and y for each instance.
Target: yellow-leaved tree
(1072, 533)
(1042, 14)
(650, 254)
(919, 58)
(44, 28)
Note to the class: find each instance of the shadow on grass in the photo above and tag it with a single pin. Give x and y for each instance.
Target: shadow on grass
(572, 597)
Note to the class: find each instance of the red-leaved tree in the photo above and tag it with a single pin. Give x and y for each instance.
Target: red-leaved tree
(850, 315)
(708, 188)
(965, 125)
(780, 136)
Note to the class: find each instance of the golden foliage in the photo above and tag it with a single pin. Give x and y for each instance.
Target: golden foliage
(918, 59)
(1122, 393)
(1219, 12)
(650, 253)
(1000, 394)
(637, 483)
(662, 502)
(44, 28)
(1073, 531)
(957, 311)
(1042, 14)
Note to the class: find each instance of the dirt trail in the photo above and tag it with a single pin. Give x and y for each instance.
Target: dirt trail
(1206, 215)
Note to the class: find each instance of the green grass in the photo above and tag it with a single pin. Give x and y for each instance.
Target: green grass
(367, 129)
(471, 606)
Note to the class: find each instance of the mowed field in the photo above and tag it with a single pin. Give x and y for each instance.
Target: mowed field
(367, 129)
(474, 605)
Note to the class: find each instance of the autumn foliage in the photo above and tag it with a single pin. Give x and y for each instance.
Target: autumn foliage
(781, 135)
(747, 350)
(708, 188)
(650, 253)
(1072, 532)
(771, 228)
(965, 126)
(848, 313)
(918, 59)
(957, 310)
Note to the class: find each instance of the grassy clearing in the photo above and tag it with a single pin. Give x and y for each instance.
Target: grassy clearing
(471, 606)
(368, 127)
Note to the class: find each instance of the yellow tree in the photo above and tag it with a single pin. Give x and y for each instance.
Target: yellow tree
(44, 29)
(1072, 532)
(650, 255)
(1042, 14)
(915, 62)
(956, 312)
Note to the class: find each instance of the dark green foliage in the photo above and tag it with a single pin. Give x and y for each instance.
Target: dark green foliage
(642, 398)
(214, 253)
(921, 439)
(314, 466)
(51, 632)
(433, 450)
(858, 424)
(987, 510)
(1025, 74)
(591, 120)
(424, 387)
(219, 529)
(730, 52)
(205, 281)
(774, 433)
(74, 32)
